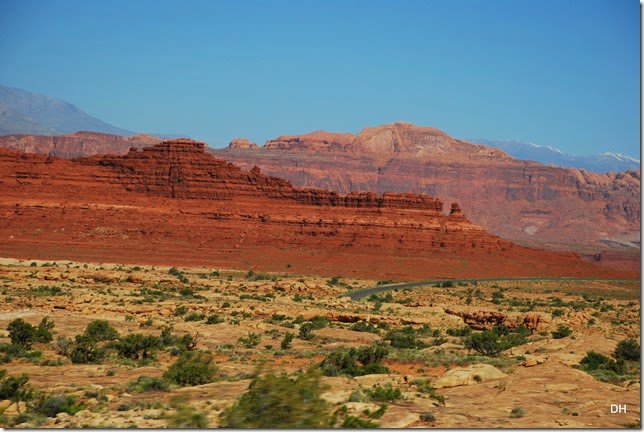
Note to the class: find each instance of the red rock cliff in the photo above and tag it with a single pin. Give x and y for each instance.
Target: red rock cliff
(174, 204)
(518, 200)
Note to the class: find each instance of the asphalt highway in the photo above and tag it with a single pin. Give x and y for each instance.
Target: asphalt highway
(359, 294)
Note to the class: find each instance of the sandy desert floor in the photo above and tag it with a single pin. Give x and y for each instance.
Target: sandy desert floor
(242, 317)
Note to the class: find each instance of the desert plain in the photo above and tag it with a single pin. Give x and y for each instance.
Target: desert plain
(242, 318)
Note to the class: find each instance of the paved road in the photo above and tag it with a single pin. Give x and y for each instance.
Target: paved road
(358, 294)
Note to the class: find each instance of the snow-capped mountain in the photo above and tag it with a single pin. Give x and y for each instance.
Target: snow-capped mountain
(604, 162)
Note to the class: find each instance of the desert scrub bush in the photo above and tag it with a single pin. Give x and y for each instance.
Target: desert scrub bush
(91, 346)
(251, 340)
(146, 383)
(15, 388)
(386, 393)
(459, 332)
(287, 341)
(25, 335)
(627, 349)
(485, 342)
(343, 362)
(194, 316)
(101, 331)
(137, 345)
(500, 338)
(306, 331)
(354, 422)
(185, 416)
(517, 412)
(424, 386)
(51, 404)
(87, 350)
(561, 332)
(214, 319)
(192, 368)
(46, 290)
(280, 401)
(363, 326)
(404, 338)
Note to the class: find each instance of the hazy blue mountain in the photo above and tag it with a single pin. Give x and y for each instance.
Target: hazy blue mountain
(604, 162)
(23, 112)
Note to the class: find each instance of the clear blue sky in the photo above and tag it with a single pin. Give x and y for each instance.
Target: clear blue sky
(555, 72)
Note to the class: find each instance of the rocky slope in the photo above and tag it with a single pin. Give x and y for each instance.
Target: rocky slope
(24, 112)
(173, 203)
(523, 201)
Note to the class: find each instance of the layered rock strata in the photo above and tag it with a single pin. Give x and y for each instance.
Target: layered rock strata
(526, 202)
(175, 204)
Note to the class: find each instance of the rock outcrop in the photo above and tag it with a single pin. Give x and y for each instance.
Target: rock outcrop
(76, 144)
(242, 144)
(174, 203)
(526, 202)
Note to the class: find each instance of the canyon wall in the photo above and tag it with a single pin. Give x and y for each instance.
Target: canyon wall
(175, 204)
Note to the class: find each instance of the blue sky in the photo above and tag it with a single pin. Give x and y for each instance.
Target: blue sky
(562, 73)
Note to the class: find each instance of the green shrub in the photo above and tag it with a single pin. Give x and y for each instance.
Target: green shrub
(345, 362)
(15, 388)
(593, 360)
(192, 368)
(185, 416)
(22, 333)
(250, 341)
(561, 332)
(319, 322)
(51, 404)
(214, 319)
(404, 338)
(146, 383)
(485, 342)
(386, 393)
(306, 331)
(627, 349)
(517, 412)
(287, 341)
(462, 331)
(363, 326)
(557, 313)
(137, 345)
(280, 401)
(87, 350)
(194, 316)
(101, 331)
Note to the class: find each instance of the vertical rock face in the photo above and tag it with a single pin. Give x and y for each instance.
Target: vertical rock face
(181, 169)
(315, 141)
(76, 144)
(173, 203)
(523, 201)
(242, 144)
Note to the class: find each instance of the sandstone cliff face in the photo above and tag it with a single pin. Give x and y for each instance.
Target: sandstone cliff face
(243, 144)
(526, 202)
(523, 201)
(76, 144)
(175, 204)
(314, 141)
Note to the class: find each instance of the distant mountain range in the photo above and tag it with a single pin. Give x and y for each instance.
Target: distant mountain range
(605, 162)
(24, 112)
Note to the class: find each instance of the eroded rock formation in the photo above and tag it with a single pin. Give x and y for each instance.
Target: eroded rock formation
(173, 203)
(534, 204)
